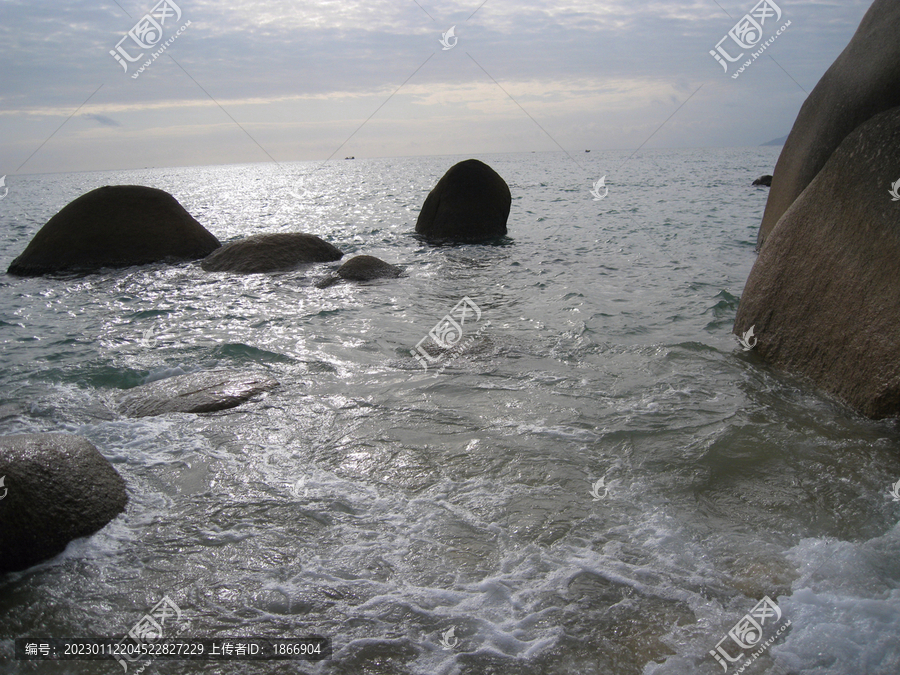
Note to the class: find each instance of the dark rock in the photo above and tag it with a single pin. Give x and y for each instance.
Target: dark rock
(862, 82)
(824, 295)
(115, 226)
(328, 282)
(362, 268)
(367, 268)
(270, 253)
(765, 181)
(469, 204)
(194, 393)
(56, 488)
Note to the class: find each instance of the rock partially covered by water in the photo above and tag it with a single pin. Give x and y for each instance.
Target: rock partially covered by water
(194, 393)
(55, 488)
(824, 295)
(362, 268)
(115, 226)
(765, 181)
(863, 81)
(469, 204)
(367, 268)
(270, 253)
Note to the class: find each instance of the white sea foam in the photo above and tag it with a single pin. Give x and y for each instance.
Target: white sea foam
(845, 609)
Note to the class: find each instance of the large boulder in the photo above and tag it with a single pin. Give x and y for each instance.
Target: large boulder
(270, 253)
(362, 268)
(862, 82)
(56, 488)
(824, 295)
(469, 204)
(115, 226)
(194, 393)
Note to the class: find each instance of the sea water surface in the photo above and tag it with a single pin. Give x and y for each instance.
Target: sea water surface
(383, 505)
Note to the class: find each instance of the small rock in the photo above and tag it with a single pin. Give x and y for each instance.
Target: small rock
(194, 393)
(270, 253)
(362, 268)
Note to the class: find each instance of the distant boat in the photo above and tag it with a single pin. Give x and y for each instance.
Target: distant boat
(350, 157)
(587, 150)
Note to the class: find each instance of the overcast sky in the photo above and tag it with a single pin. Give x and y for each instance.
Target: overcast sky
(293, 79)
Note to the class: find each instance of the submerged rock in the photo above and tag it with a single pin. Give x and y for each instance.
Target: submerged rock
(115, 226)
(194, 393)
(270, 253)
(765, 181)
(55, 488)
(824, 295)
(362, 268)
(470, 204)
(863, 81)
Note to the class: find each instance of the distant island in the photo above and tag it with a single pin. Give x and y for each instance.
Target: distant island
(777, 141)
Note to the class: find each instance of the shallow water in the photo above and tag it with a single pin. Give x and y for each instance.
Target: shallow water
(378, 504)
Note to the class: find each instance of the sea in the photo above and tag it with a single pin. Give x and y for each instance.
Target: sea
(598, 477)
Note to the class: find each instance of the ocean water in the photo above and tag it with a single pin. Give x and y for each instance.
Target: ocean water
(382, 505)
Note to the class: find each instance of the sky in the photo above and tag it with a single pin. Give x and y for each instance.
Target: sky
(286, 80)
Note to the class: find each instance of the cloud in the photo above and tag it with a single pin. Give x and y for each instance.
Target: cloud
(102, 119)
(299, 76)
